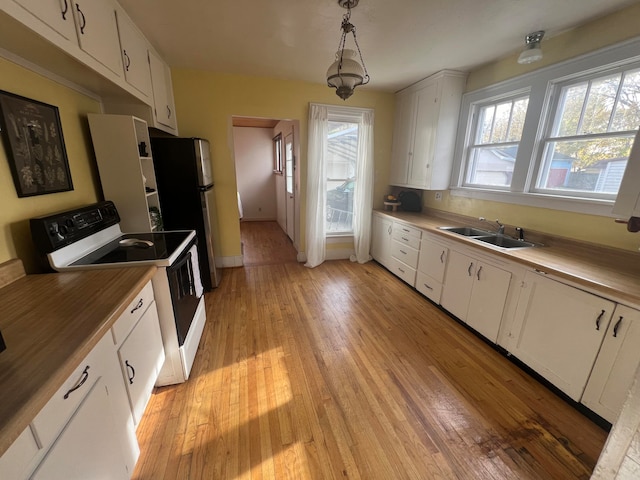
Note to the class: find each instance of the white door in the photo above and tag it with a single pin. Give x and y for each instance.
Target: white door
(55, 13)
(458, 284)
(290, 166)
(134, 55)
(558, 331)
(98, 32)
(489, 294)
(88, 447)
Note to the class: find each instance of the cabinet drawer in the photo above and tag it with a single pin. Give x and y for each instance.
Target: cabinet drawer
(52, 418)
(132, 314)
(429, 287)
(401, 236)
(403, 271)
(405, 254)
(404, 229)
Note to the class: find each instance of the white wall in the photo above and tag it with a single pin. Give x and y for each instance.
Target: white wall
(253, 148)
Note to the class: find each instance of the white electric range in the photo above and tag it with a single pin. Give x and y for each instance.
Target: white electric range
(90, 237)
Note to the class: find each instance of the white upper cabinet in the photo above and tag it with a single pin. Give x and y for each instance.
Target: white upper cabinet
(98, 32)
(57, 14)
(165, 110)
(134, 55)
(628, 200)
(424, 132)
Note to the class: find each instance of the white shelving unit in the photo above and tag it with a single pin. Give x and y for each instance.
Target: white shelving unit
(126, 173)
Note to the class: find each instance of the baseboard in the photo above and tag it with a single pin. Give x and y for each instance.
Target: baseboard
(232, 262)
(339, 253)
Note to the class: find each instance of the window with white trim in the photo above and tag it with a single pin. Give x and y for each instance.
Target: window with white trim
(558, 137)
(498, 128)
(589, 138)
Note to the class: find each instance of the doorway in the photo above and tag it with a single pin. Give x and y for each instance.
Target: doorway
(267, 177)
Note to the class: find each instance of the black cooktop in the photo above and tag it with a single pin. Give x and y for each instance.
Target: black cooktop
(136, 247)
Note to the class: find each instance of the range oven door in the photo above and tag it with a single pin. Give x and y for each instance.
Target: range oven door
(184, 298)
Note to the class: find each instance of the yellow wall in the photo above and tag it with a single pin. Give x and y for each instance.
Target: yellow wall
(15, 236)
(605, 31)
(206, 101)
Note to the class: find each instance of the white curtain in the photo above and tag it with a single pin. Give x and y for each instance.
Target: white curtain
(363, 192)
(316, 190)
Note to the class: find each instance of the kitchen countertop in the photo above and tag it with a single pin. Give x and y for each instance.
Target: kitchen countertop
(613, 273)
(50, 322)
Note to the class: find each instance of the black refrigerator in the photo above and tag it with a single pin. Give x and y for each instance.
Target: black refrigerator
(187, 197)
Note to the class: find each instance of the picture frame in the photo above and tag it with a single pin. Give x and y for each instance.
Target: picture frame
(32, 136)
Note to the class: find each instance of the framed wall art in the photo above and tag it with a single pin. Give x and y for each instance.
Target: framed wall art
(32, 136)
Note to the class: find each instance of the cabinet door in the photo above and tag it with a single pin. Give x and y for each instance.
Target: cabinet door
(488, 297)
(402, 148)
(558, 331)
(56, 14)
(381, 240)
(134, 56)
(141, 357)
(162, 91)
(88, 446)
(98, 32)
(425, 135)
(615, 366)
(458, 284)
(433, 258)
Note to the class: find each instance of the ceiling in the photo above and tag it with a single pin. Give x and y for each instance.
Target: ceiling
(402, 41)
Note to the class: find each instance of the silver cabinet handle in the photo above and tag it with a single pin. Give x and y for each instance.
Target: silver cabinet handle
(403, 252)
(442, 257)
(428, 287)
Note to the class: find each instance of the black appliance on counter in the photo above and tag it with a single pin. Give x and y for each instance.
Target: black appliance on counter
(187, 197)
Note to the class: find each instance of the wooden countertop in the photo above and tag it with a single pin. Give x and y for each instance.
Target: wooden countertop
(610, 272)
(50, 322)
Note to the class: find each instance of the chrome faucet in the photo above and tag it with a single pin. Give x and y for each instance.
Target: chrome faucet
(500, 230)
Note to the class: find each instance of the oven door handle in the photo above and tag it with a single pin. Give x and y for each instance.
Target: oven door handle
(176, 267)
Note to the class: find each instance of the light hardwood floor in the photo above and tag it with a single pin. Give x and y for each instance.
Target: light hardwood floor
(343, 371)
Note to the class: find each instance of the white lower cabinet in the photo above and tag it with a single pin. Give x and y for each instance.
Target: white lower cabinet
(405, 247)
(141, 358)
(381, 239)
(431, 267)
(475, 292)
(615, 366)
(88, 447)
(558, 330)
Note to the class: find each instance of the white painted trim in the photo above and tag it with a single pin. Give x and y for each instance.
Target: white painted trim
(18, 60)
(301, 257)
(231, 262)
(540, 83)
(577, 205)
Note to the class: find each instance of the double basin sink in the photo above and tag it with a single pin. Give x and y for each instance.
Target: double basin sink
(492, 238)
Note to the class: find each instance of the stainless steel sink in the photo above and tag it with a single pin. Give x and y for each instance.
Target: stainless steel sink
(505, 242)
(467, 231)
(497, 239)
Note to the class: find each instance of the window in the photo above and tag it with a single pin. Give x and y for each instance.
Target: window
(341, 162)
(277, 154)
(558, 137)
(498, 129)
(586, 150)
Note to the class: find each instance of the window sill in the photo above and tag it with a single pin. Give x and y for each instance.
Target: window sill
(338, 237)
(576, 205)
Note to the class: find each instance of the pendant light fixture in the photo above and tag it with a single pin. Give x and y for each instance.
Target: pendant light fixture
(345, 74)
(532, 52)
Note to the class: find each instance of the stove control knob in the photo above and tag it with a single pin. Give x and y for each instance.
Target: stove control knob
(63, 230)
(69, 223)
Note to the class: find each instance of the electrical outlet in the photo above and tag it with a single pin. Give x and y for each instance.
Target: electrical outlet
(438, 196)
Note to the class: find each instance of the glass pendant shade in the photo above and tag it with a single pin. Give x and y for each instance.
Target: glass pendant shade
(530, 54)
(346, 77)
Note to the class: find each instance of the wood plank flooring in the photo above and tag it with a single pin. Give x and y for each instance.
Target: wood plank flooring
(343, 371)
